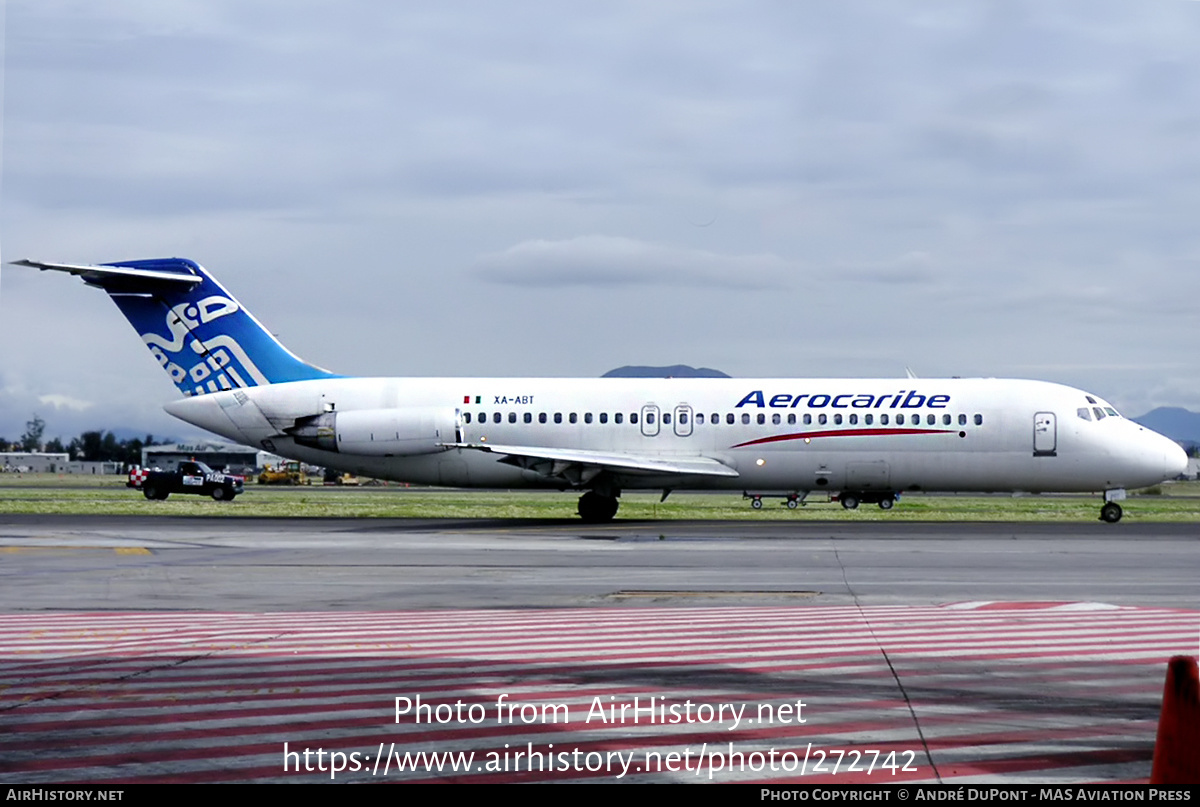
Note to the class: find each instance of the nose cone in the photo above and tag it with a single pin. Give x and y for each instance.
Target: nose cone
(1160, 456)
(1175, 460)
(1146, 457)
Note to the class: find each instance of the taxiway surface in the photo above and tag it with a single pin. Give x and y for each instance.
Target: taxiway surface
(87, 563)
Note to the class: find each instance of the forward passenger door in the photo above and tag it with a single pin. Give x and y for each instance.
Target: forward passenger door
(1045, 435)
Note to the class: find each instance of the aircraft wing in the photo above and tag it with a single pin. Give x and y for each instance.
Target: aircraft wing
(578, 466)
(118, 278)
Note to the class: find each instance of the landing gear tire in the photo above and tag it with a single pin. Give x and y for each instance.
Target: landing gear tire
(595, 509)
(886, 503)
(792, 504)
(849, 501)
(1111, 512)
(756, 504)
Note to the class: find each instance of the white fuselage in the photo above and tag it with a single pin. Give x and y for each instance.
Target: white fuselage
(770, 434)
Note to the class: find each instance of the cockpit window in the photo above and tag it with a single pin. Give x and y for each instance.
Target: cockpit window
(1084, 413)
(1091, 400)
(1099, 412)
(1111, 412)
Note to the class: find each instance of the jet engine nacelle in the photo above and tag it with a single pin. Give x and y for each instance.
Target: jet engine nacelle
(379, 432)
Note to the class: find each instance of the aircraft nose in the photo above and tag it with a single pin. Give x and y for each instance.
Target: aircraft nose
(1163, 455)
(1176, 460)
(1158, 458)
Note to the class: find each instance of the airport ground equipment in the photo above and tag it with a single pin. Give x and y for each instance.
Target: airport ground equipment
(191, 477)
(790, 500)
(851, 499)
(286, 473)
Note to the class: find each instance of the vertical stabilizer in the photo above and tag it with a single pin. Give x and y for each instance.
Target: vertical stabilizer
(203, 337)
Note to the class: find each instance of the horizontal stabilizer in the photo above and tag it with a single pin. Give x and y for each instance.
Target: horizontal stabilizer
(120, 278)
(553, 461)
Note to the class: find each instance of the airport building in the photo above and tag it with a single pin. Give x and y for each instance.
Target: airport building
(229, 457)
(35, 462)
(40, 462)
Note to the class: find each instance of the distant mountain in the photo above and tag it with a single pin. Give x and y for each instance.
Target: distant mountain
(1181, 425)
(673, 371)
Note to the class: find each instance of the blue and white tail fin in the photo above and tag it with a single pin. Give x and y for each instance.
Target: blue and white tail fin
(200, 334)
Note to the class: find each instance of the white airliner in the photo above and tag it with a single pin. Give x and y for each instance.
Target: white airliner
(863, 440)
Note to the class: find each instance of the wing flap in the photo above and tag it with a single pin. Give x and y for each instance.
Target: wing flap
(569, 462)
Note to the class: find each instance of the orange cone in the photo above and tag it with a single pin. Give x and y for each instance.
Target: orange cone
(1177, 747)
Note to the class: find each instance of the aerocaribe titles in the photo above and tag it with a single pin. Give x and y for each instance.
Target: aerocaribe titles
(903, 399)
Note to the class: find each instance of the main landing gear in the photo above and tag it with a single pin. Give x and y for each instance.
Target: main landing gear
(595, 508)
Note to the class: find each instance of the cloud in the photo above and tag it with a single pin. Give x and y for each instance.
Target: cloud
(59, 401)
(1021, 176)
(910, 268)
(609, 261)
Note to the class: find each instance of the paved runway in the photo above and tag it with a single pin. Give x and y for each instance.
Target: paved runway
(946, 648)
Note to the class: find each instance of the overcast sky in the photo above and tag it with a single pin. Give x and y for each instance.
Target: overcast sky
(557, 189)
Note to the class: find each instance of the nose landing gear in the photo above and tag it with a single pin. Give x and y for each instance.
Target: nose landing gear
(1111, 511)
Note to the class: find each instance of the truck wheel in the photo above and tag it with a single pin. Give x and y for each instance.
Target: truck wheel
(218, 494)
(150, 491)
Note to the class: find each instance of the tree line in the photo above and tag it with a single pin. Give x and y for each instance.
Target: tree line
(92, 446)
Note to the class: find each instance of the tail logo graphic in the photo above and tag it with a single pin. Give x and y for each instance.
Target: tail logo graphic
(219, 361)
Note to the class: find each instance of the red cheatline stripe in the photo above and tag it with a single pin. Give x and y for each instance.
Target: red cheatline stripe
(842, 433)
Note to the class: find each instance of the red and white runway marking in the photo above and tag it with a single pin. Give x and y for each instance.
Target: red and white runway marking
(974, 692)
